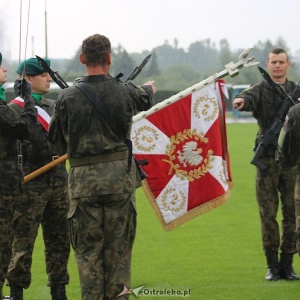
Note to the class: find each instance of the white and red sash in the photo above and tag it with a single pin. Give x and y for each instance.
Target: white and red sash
(43, 117)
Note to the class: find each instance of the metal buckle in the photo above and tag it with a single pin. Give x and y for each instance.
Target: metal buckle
(20, 160)
(54, 157)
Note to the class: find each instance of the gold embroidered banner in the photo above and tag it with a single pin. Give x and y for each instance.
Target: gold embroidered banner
(186, 146)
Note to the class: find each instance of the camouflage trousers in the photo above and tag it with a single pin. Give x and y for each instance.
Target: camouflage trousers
(273, 186)
(102, 231)
(47, 207)
(7, 203)
(297, 211)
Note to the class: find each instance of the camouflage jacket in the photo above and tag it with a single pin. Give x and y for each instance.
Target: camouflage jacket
(36, 152)
(289, 138)
(264, 103)
(77, 129)
(13, 126)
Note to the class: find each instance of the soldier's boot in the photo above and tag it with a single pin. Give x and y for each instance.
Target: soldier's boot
(273, 266)
(58, 292)
(286, 269)
(16, 292)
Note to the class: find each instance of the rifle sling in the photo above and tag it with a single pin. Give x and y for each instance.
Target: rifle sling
(92, 97)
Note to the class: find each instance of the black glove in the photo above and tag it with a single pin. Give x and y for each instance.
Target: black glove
(22, 88)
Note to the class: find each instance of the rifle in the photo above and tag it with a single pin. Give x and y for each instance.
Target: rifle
(53, 74)
(271, 135)
(136, 71)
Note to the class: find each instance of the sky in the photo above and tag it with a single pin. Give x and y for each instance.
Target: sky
(139, 25)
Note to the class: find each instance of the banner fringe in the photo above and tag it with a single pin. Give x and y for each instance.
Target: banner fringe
(199, 210)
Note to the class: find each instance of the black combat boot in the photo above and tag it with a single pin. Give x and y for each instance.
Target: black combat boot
(273, 266)
(58, 292)
(16, 292)
(286, 270)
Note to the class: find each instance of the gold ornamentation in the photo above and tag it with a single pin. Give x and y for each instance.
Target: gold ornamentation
(207, 104)
(222, 177)
(190, 156)
(140, 138)
(173, 201)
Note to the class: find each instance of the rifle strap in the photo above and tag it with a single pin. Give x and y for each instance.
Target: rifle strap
(92, 98)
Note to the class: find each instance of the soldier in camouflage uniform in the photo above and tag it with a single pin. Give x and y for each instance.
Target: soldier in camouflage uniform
(12, 127)
(276, 181)
(289, 147)
(44, 200)
(102, 176)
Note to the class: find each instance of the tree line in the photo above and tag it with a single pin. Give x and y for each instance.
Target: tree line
(174, 68)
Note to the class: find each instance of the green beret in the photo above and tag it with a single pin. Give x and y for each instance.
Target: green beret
(0, 58)
(32, 66)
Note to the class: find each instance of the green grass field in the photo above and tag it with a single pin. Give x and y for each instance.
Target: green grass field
(217, 255)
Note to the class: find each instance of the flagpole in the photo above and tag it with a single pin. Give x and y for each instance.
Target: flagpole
(45, 168)
(46, 31)
(231, 69)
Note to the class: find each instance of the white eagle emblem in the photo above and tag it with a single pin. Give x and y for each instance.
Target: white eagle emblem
(190, 155)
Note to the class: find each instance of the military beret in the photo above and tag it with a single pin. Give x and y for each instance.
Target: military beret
(0, 58)
(32, 66)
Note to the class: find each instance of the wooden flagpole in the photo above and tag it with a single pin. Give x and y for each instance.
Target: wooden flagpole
(43, 169)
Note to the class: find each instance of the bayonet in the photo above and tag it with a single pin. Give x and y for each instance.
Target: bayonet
(277, 87)
(267, 77)
(137, 70)
(54, 74)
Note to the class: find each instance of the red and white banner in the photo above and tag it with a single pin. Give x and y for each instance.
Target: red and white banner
(42, 117)
(186, 146)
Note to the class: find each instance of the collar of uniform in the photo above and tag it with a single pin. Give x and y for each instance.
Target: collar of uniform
(95, 78)
(2, 94)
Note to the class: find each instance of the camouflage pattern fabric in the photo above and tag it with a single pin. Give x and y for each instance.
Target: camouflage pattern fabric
(291, 148)
(13, 126)
(7, 203)
(48, 208)
(297, 211)
(276, 183)
(103, 224)
(274, 186)
(102, 213)
(44, 201)
(264, 102)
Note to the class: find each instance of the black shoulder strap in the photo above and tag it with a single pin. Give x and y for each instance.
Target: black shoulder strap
(91, 96)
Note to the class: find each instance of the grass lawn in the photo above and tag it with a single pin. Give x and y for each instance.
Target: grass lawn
(217, 255)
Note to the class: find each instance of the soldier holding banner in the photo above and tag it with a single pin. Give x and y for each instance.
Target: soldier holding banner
(102, 176)
(276, 181)
(44, 200)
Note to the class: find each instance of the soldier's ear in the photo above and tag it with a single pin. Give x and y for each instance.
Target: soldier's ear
(81, 58)
(109, 59)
